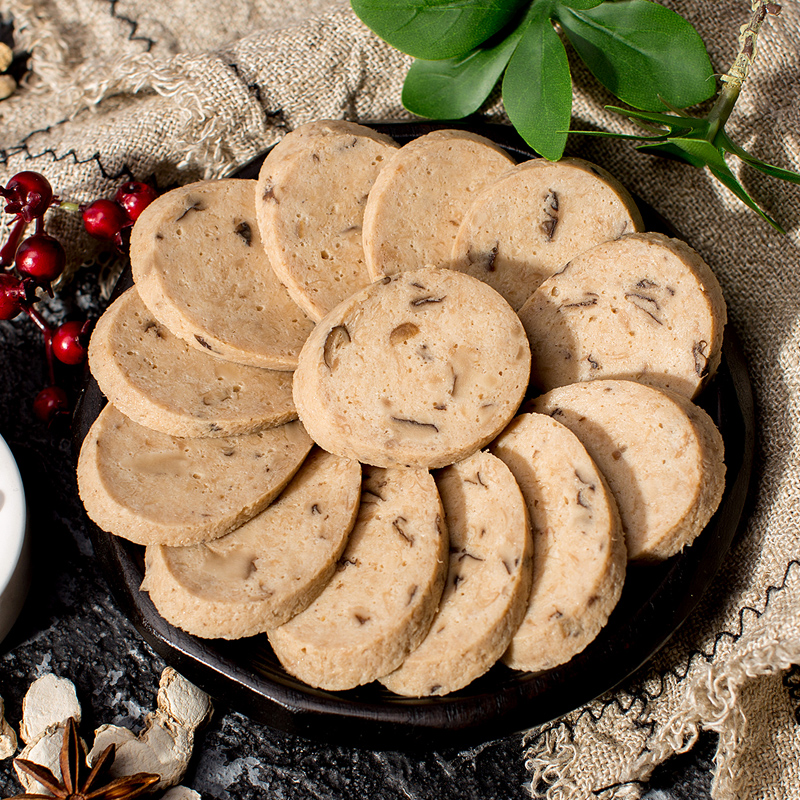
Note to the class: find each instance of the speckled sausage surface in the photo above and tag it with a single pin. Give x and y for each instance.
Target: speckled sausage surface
(661, 454)
(527, 224)
(263, 573)
(644, 307)
(420, 369)
(579, 554)
(419, 199)
(152, 488)
(200, 267)
(488, 580)
(379, 604)
(161, 382)
(311, 194)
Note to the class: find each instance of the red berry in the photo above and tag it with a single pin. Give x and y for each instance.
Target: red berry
(12, 296)
(105, 219)
(29, 194)
(134, 197)
(50, 401)
(41, 257)
(70, 341)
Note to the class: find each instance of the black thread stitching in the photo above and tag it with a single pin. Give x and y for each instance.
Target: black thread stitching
(150, 43)
(644, 696)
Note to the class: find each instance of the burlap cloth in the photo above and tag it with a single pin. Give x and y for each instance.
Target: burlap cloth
(194, 88)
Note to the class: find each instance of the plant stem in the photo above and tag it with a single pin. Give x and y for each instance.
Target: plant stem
(733, 80)
(47, 335)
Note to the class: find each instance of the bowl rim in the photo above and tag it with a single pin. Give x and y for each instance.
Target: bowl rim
(13, 516)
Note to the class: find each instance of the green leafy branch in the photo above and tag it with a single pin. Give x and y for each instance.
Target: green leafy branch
(704, 142)
(462, 48)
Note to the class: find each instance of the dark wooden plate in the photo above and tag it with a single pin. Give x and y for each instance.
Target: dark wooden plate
(656, 600)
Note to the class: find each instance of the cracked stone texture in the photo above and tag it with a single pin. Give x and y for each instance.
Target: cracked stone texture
(71, 626)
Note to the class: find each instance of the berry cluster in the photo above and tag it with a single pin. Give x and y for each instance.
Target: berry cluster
(31, 264)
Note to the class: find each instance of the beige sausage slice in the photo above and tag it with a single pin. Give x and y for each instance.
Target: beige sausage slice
(379, 605)
(420, 369)
(310, 199)
(152, 488)
(200, 267)
(488, 581)
(661, 454)
(269, 569)
(531, 221)
(578, 548)
(156, 379)
(419, 199)
(644, 307)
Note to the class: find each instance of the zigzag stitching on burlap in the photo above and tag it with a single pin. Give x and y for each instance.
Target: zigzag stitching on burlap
(29, 156)
(644, 696)
(134, 26)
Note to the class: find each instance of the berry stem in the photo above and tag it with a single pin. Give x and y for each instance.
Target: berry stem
(47, 335)
(9, 249)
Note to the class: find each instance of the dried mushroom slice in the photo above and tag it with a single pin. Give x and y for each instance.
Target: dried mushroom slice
(152, 488)
(531, 221)
(380, 602)
(200, 267)
(661, 455)
(311, 194)
(644, 307)
(161, 382)
(419, 199)
(269, 569)
(488, 580)
(420, 369)
(579, 551)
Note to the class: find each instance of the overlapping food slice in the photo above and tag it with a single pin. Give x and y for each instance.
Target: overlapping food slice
(269, 569)
(579, 552)
(644, 307)
(532, 220)
(488, 580)
(150, 487)
(311, 195)
(379, 605)
(161, 382)
(419, 199)
(419, 369)
(200, 267)
(661, 454)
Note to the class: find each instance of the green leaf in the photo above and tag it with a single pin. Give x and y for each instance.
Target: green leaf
(715, 161)
(641, 52)
(673, 151)
(537, 88)
(768, 169)
(436, 29)
(665, 120)
(456, 87)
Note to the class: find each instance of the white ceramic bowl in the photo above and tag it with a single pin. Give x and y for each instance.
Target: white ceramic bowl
(14, 546)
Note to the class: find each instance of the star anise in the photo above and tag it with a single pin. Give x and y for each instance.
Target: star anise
(73, 785)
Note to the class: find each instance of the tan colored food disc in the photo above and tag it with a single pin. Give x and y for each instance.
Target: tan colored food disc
(269, 569)
(527, 224)
(420, 369)
(379, 605)
(579, 554)
(661, 454)
(419, 199)
(152, 488)
(644, 307)
(200, 267)
(488, 581)
(156, 379)
(311, 195)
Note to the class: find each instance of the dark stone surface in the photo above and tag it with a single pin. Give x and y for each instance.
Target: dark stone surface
(72, 627)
